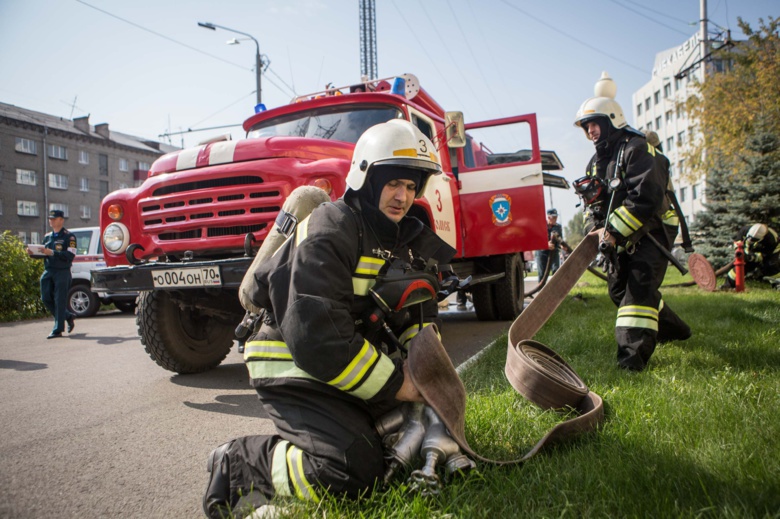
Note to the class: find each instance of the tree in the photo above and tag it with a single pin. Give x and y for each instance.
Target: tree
(575, 229)
(738, 113)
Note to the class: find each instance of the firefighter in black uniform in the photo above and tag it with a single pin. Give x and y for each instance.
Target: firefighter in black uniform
(322, 372)
(762, 253)
(56, 279)
(553, 251)
(637, 207)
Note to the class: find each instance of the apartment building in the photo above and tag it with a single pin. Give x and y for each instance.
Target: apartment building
(659, 106)
(49, 162)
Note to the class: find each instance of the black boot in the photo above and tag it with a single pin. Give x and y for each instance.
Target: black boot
(671, 327)
(217, 499)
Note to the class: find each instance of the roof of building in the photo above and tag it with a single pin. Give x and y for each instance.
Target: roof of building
(69, 126)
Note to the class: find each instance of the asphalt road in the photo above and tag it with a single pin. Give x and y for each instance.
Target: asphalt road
(91, 427)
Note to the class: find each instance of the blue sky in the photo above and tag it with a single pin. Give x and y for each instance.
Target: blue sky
(146, 68)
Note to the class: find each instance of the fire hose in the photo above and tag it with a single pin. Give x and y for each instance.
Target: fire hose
(533, 369)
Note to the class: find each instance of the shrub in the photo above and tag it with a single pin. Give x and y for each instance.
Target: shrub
(19, 284)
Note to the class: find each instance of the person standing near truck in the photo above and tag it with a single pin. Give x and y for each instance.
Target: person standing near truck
(60, 249)
(553, 252)
(317, 362)
(636, 207)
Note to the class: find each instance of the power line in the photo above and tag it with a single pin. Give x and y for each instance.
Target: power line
(569, 36)
(651, 19)
(666, 15)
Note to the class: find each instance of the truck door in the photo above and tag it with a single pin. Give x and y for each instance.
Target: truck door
(501, 187)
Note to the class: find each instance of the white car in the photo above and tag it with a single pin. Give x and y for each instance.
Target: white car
(82, 300)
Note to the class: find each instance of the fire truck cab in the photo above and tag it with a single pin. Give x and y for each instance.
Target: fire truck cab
(185, 237)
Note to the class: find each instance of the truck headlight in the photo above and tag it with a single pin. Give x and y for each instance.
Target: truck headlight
(116, 238)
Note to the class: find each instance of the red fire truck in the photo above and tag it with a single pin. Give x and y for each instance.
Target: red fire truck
(185, 237)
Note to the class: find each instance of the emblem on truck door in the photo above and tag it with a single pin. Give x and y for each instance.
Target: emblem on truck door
(501, 205)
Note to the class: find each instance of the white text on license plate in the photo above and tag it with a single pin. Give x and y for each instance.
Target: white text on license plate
(187, 277)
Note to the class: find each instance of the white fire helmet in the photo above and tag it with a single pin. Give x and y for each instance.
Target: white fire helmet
(603, 104)
(757, 232)
(396, 142)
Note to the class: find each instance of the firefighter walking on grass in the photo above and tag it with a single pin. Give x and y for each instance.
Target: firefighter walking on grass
(636, 207)
(317, 362)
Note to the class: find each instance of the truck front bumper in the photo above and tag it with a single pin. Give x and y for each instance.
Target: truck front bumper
(138, 278)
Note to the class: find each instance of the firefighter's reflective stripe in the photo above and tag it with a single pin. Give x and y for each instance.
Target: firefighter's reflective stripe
(651, 149)
(279, 477)
(366, 374)
(365, 274)
(286, 468)
(266, 350)
(363, 377)
(732, 275)
(670, 218)
(303, 488)
(625, 222)
(301, 231)
(633, 316)
(412, 331)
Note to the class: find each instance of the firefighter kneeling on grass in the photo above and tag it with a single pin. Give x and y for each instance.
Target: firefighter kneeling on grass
(762, 254)
(322, 374)
(636, 207)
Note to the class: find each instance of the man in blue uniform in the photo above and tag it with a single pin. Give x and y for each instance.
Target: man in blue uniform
(554, 238)
(56, 279)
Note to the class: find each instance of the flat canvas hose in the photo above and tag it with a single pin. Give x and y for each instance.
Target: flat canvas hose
(534, 370)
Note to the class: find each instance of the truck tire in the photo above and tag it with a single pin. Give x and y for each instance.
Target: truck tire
(82, 302)
(509, 290)
(484, 307)
(182, 342)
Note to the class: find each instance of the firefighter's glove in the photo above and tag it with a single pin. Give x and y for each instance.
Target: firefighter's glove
(608, 260)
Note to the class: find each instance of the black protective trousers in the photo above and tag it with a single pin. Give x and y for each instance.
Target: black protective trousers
(642, 319)
(342, 452)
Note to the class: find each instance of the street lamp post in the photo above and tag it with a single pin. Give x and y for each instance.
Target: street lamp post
(258, 60)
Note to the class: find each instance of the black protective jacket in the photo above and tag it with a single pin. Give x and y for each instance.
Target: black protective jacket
(316, 289)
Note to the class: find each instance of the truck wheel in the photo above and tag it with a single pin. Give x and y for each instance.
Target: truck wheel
(179, 341)
(482, 297)
(509, 290)
(82, 302)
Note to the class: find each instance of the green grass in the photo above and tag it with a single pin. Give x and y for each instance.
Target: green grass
(697, 434)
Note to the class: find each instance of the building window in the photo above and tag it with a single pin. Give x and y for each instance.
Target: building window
(57, 181)
(670, 144)
(667, 90)
(649, 126)
(103, 188)
(59, 207)
(695, 191)
(647, 104)
(1, 208)
(123, 166)
(35, 237)
(26, 146)
(83, 157)
(86, 212)
(23, 236)
(103, 165)
(657, 96)
(639, 109)
(26, 208)
(679, 111)
(84, 184)
(671, 170)
(683, 193)
(26, 177)
(669, 117)
(58, 152)
(658, 123)
(681, 138)
(143, 166)
(677, 83)
(122, 185)
(681, 166)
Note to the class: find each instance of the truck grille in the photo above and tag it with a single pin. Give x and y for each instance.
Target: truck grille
(210, 208)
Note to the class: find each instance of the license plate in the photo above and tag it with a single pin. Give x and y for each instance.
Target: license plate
(187, 277)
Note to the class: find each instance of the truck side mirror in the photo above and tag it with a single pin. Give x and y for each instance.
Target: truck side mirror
(455, 132)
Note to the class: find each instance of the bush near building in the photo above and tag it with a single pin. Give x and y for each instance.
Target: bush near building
(19, 284)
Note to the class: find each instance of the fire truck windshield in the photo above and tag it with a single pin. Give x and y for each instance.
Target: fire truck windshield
(341, 123)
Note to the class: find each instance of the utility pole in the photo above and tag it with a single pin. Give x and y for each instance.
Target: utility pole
(368, 60)
(704, 37)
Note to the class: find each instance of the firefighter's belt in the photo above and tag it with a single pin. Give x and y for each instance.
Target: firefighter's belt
(534, 370)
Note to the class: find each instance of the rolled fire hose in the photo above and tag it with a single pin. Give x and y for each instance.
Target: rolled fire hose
(534, 370)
